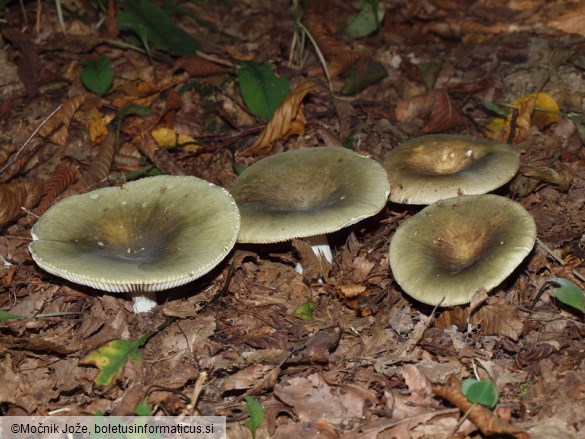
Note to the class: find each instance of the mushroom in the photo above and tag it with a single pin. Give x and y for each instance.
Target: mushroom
(145, 236)
(306, 194)
(434, 167)
(455, 247)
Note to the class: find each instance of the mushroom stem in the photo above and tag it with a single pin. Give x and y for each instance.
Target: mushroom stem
(320, 246)
(144, 301)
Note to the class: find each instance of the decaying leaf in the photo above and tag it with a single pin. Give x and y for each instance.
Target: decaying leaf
(171, 138)
(65, 174)
(111, 358)
(198, 67)
(338, 54)
(56, 128)
(314, 267)
(571, 19)
(286, 120)
(435, 108)
(14, 196)
(97, 123)
(250, 377)
(535, 109)
(313, 399)
(100, 167)
(159, 157)
(561, 179)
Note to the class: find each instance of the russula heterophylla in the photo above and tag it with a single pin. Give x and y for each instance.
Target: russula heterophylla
(455, 247)
(308, 193)
(145, 236)
(438, 166)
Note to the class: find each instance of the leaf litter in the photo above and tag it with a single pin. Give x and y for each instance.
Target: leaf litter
(370, 362)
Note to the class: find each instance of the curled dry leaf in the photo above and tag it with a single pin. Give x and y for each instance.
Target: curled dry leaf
(56, 128)
(65, 174)
(336, 52)
(542, 173)
(485, 420)
(198, 67)
(160, 158)
(15, 196)
(286, 119)
(100, 167)
(435, 108)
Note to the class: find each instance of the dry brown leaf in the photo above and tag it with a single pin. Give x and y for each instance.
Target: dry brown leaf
(199, 68)
(314, 267)
(15, 196)
(248, 378)
(56, 128)
(486, 421)
(314, 399)
(99, 169)
(571, 20)
(499, 319)
(336, 52)
(435, 109)
(65, 174)
(145, 93)
(351, 290)
(542, 173)
(160, 158)
(283, 120)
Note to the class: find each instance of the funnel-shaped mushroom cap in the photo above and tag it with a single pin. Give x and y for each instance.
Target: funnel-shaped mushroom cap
(431, 168)
(148, 235)
(308, 192)
(453, 248)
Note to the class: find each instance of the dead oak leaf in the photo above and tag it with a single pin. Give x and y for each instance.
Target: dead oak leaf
(288, 119)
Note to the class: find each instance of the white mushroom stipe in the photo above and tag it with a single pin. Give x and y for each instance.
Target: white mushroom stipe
(143, 301)
(321, 247)
(306, 193)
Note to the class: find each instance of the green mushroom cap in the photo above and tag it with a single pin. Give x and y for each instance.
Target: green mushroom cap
(148, 235)
(455, 247)
(434, 167)
(308, 192)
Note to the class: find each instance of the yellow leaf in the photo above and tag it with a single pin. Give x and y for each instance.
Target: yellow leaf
(535, 109)
(170, 138)
(97, 123)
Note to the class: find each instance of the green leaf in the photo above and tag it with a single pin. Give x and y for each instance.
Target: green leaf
(111, 358)
(305, 311)
(256, 413)
(5, 316)
(367, 20)
(153, 25)
(363, 74)
(482, 392)
(97, 75)
(261, 89)
(568, 293)
(497, 109)
(143, 408)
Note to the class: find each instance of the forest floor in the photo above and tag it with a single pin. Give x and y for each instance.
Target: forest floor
(368, 361)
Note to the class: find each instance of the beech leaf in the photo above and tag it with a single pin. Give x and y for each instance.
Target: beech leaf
(261, 89)
(111, 358)
(97, 75)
